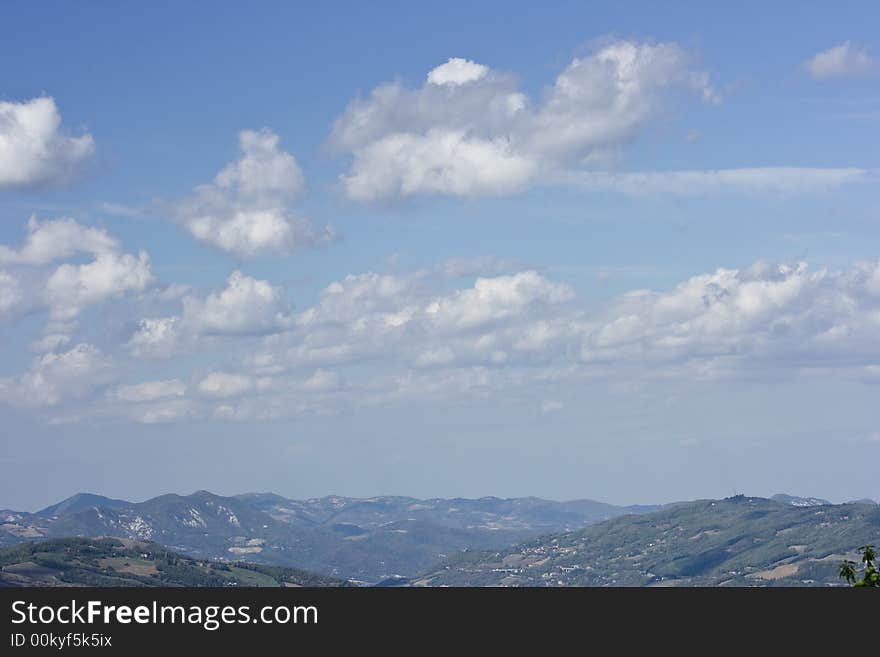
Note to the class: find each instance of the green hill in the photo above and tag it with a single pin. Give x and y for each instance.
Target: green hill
(739, 541)
(125, 562)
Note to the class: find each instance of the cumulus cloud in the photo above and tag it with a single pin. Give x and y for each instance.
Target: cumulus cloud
(457, 71)
(496, 320)
(358, 295)
(390, 338)
(73, 287)
(468, 130)
(34, 150)
(59, 239)
(31, 280)
(156, 337)
(437, 162)
(246, 210)
(57, 377)
(244, 306)
(769, 315)
(603, 100)
(493, 299)
(844, 60)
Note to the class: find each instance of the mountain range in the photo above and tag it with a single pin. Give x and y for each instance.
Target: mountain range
(490, 541)
(367, 539)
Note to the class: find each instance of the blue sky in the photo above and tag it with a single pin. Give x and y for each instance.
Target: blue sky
(618, 251)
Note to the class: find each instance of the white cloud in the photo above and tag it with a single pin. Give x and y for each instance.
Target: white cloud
(770, 316)
(31, 281)
(156, 337)
(395, 338)
(764, 318)
(402, 319)
(33, 148)
(246, 306)
(222, 384)
(263, 170)
(358, 295)
(602, 101)
(150, 391)
(469, 131)
(249, 233)
(437, 162)
(73, 287)
(12, 295)
(59, 239)
(57, 377)
(493, 299)
(457, 71)
(484, 107)
(246, 209)
(844, 60)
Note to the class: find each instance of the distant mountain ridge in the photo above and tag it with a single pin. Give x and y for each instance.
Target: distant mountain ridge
(361, 538)
(80, 502)
(794, 500)
(386, 538)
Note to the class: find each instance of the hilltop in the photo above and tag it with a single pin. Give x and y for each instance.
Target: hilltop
(739, 541)
(81, 502)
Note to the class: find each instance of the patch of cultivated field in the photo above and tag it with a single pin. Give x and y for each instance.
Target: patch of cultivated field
(785, 570)
(250, 577)
(128, 565)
